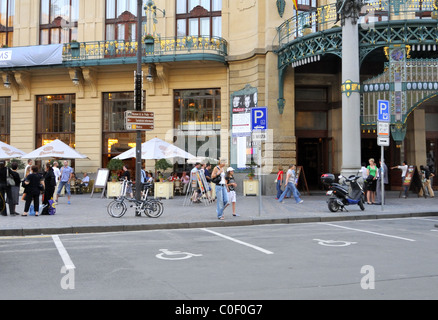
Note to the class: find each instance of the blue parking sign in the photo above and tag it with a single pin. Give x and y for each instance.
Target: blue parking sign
(259, 118)
(383, 111)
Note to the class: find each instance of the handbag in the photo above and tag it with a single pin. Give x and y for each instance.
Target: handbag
(10, 180)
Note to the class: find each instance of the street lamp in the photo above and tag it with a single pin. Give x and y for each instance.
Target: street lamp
(7, 82)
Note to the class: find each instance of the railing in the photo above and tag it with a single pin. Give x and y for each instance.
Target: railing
(325, 17)
(119, 49)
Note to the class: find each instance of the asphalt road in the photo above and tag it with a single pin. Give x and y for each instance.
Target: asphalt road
(369, 259)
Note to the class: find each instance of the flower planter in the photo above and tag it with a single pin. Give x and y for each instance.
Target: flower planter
(149, 45)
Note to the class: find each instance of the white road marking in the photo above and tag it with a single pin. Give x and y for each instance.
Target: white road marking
(238, 241)
(371, 232)
(63, 253)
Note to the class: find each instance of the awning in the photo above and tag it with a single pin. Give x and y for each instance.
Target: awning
(31, 56)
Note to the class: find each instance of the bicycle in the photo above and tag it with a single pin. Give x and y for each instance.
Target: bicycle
(153, 208)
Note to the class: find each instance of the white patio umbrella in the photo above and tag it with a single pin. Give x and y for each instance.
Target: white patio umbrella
(9, 152)
(156, 149)
(55, 149)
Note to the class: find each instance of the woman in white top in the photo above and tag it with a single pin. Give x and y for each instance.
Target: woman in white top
(218, 178)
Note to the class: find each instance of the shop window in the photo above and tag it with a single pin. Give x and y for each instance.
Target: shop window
(56, 116)
(5, 119)
(116, 139)
(197, 121)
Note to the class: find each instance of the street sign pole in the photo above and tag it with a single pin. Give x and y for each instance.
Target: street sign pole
(383, 119)
(138, 100)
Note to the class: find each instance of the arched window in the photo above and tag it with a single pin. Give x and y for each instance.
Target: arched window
(199, 18)
(59, 21)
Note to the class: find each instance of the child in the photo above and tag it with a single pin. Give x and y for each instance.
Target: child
(231, 188)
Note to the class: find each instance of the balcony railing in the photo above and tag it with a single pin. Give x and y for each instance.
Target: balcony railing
(325, 17)
(161, 48)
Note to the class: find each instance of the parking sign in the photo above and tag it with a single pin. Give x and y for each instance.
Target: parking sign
(383, 111)
(259, 118)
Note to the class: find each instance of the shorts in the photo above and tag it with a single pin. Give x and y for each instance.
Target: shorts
(232, 196)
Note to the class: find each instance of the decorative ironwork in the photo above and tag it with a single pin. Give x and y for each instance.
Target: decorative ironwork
(112, 50)
(348, 87)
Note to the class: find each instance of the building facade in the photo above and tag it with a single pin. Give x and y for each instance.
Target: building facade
(204, 55)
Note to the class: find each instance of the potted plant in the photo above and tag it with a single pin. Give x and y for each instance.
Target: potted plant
(115, 165)
(162, 165)
(163, 189)
(149, 41)
(307, 29)
(75, 49)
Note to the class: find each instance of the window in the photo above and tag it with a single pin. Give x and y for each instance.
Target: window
(199, 18)
(197, 116)
(7, 13)
(5, 119)
(56, 116)
(115, 137)
(59, 21)
(121, 20)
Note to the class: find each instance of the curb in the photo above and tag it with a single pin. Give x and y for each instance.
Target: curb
(200, 224)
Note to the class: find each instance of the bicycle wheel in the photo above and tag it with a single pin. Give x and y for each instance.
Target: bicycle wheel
(116, 209)
(153, 208)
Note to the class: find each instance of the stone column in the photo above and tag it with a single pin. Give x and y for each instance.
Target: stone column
(351, 142)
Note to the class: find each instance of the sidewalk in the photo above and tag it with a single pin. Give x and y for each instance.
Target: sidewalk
(88, 215)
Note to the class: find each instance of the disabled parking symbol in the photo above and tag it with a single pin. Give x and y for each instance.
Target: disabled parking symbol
(334, 243)
(175, 255)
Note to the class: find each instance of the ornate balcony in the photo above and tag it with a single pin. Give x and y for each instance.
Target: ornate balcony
(112, 52)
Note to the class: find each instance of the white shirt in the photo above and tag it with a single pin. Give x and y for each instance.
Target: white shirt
(404, 169)
(57, 173)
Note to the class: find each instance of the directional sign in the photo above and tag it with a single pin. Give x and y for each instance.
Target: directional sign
(259, 118)
(139, 120)
(383, 111)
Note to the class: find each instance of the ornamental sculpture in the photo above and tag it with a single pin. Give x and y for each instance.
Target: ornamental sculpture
(348, 9)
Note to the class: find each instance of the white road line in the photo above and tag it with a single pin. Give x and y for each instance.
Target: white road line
(63, 253)
(365, 231)
(238, 241)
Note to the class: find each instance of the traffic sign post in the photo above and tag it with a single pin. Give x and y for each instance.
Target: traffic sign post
(259, 123)
(383, 120)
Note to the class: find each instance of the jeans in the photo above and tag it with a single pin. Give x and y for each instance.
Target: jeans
(291, 188)
(67, 187)
(221, 199)
(279, 191)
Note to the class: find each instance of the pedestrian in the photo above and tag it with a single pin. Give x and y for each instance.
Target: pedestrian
(427, 186)
(363, 171)
(49, 187)
(27, 171)
(56, 171)
(290, 187)
(126, 176)
(218, 178)
(279, 181)
(196, 195)
(382, 173)
(66, 176)
(404, 169)
(185, 179)
(33, 181)
(84, 182)
(372, 181)
(5, 190)
(231, 189)
(15, 189)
